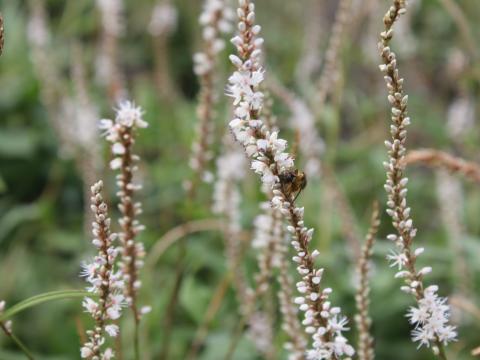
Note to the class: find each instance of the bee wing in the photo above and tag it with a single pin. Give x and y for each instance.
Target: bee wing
(297, 194)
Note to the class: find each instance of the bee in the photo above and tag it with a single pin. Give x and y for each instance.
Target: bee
(293, 182)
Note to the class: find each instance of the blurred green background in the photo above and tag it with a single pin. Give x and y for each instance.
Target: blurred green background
(42, 238)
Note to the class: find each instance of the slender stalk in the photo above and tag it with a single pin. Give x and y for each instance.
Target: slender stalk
(104, 282)
(162, 25)
(178, 232)
(173, 301)
(440, 159)
(237, 335)
(466, 306)
(432, 327)
(112, 28)
(136, 340)
(121, 133)
(129, 234)
(329, 76)
(214, 21)
(269, 159)
(297, 341)
(17, 341)
(363, 320)
(458, 16)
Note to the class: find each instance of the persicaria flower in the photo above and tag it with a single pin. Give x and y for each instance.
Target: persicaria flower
(215, 20)
(121, 133)
(431, 319)
(105, 282)
(164, 19)
(431, 315)
(267, 152)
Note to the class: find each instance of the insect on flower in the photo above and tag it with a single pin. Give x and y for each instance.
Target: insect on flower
(293, 182)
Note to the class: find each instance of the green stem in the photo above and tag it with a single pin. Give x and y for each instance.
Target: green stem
(136, 340)
(441, 351)
(17, 342)
(173, 301)
(237, 335)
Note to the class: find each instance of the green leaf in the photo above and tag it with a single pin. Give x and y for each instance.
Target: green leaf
(18, 143)
(16, 216)
(194, 297)
(40, 299)
(3, 185)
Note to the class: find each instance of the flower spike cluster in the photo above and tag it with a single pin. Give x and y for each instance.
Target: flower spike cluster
(297, 342)
(105, 282)
(365, 347)
(121, 134)
(269, 159)
(107, 62)
(302, 119)
(216, 20)
(431, 316)
(227, 201)
(267, 227)
(164, 19)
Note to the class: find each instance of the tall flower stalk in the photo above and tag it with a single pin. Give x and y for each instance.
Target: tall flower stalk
(162, 25)
(6, 327)
(266, 241)
(226, 201)
(269, 159)
(450, 202)
(215, 20)
(439, 159)
(365, 340)
(430, 317)
(73, 117)
(330, 72)
(84, 118)
(47, 71)
(302, 119)
(105, 282)
(121, 133)
(296, 345)
(113, 27)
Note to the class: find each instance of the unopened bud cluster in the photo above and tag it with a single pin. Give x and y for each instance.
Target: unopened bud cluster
(106, 284)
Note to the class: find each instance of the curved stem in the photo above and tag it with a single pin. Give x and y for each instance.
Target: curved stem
(175, 234)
